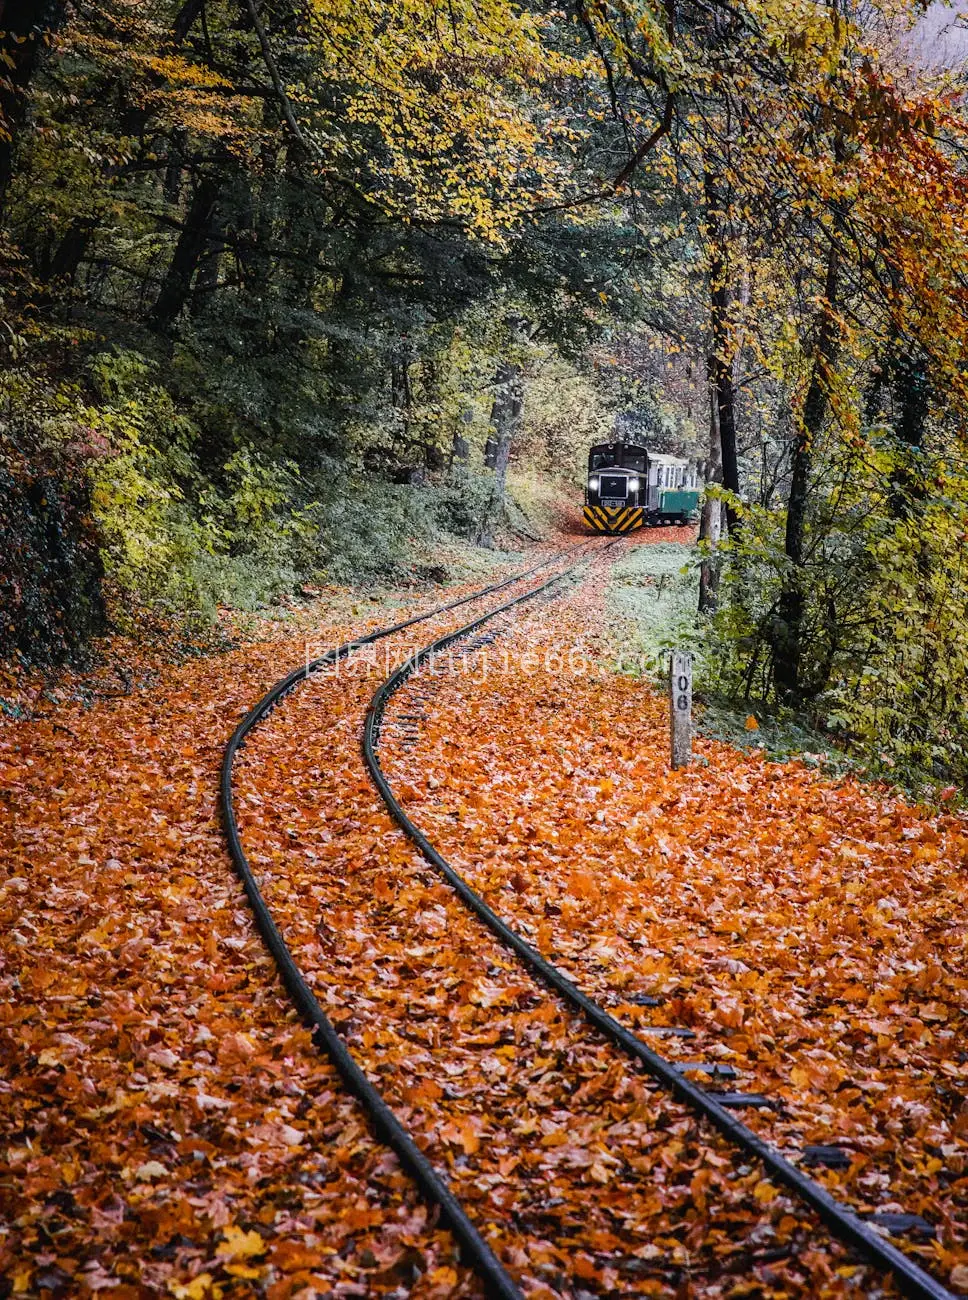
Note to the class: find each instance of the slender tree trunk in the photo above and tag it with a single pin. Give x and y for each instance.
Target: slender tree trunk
(721, 362)
(185, 19)
(210, 261)
(206, 280)
(24, 27)
(70, 251)
(507, 430)
(788, 636)
(57, 267)
(506, 412)
(175, 165)
(911, 390)
(460, 451)
(711, 521)
(401, 394)
(191, 244)
(182, 24)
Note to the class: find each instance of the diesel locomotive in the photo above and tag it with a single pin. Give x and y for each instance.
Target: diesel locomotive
(629, 486)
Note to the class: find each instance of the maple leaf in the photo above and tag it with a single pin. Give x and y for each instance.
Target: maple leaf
(201, 1287)
(239, 1245)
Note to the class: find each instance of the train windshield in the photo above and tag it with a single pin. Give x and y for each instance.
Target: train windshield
(617, 456)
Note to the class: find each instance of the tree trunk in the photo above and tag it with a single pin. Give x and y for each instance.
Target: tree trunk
(206, 278)
(185, 19)
(57, 265)
(911, 391)
(711, 521)
(401, 393)
(506, 412)
(788, 634)
(192, 242)
(721, 361)
(25, 25)
(70, 251)
(460, 448)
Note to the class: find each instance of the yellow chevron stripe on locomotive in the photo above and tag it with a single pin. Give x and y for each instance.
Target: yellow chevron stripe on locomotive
(614, 519)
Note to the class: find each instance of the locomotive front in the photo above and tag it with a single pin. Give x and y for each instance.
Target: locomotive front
(615, 494)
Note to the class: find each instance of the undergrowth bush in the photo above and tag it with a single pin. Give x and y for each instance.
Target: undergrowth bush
(189, 516)
(885, 657)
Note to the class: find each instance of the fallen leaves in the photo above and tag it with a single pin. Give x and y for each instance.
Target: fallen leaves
(548, 1136)
(236, 1244)
(156, 1094)
(171, 1130)
(810, 930)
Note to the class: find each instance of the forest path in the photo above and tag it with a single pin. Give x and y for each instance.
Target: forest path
(170, 1129)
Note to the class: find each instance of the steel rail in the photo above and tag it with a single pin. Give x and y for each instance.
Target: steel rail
(912, 1280)
(385, 1124)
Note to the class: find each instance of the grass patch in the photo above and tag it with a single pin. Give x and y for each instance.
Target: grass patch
(652, 597)
(781, 737)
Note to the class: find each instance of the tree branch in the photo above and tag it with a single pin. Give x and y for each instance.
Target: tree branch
(276, 79)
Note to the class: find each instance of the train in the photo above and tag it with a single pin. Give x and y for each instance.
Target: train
(629, 486)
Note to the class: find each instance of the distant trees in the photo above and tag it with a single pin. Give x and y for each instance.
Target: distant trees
(298, 232)
(834, 189)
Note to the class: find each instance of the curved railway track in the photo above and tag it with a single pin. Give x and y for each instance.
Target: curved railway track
(385, 1123)
(909, 1277)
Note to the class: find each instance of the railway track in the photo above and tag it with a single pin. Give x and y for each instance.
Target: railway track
(385, 1123)
(909, 1277)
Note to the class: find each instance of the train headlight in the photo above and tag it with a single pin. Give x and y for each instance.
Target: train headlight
(633, 485)
(593, 482)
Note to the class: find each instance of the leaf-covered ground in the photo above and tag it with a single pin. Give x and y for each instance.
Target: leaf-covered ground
(167, 1129)
(812, 934)
(159, 1104)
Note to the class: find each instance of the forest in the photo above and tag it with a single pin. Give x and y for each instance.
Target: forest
(407, 890)
(272, 274)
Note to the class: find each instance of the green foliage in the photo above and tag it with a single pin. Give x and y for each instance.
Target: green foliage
(276, 316)
(171, 533)
(902, 697)
(460, 504)
(566, 411)
(254, 529)
(885, 590)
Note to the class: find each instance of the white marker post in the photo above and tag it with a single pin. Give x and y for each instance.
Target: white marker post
(680, 708)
